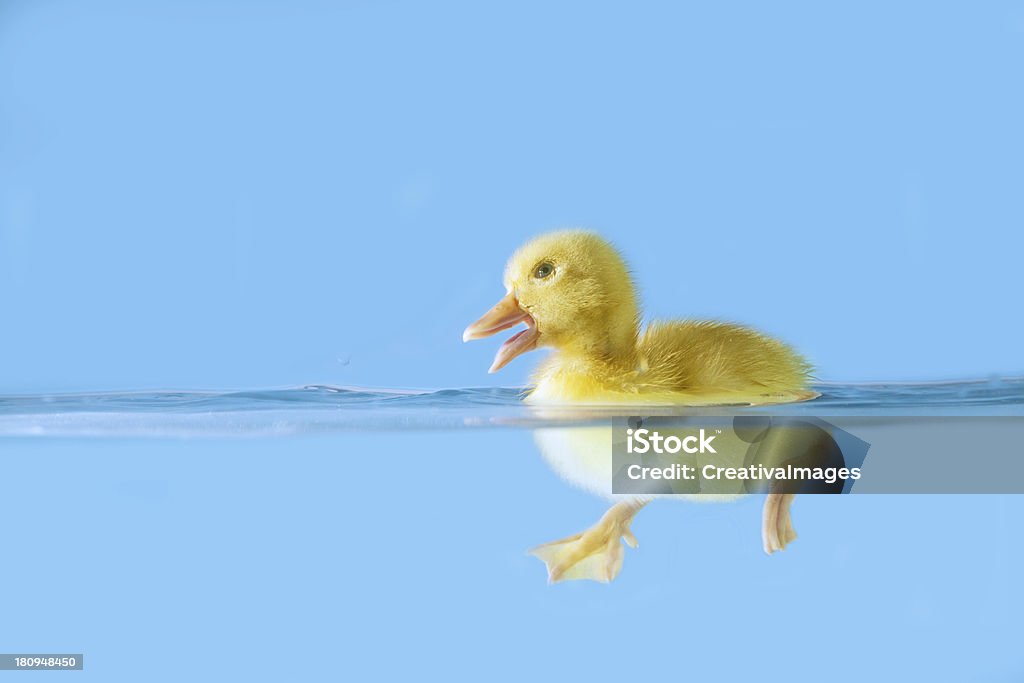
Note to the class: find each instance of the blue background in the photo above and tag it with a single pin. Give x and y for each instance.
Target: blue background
(249, 194)
(246, 194)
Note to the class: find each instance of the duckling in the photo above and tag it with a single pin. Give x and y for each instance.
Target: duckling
(573, 292)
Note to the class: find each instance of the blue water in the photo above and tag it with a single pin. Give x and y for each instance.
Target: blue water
(313, 409)
(383, 535)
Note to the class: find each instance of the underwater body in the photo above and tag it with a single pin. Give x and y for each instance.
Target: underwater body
(384, 533)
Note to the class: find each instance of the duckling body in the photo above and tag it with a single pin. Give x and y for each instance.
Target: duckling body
(681, 362)
(574, 293)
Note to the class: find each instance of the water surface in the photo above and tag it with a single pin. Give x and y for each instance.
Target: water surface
(319, 408)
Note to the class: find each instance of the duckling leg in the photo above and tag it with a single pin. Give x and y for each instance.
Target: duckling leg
(595, 554)
(776, 523)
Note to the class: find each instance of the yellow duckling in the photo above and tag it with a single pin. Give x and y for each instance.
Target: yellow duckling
(574, 293)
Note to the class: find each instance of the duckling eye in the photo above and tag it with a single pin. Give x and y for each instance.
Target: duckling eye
(543, 270)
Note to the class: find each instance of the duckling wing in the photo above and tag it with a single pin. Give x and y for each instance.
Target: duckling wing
(695, 356)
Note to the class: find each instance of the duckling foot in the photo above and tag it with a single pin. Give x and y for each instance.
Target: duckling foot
(595, 554)
(776, 523)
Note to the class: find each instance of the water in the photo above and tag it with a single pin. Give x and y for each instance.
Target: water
(313, 409)
(383, 535)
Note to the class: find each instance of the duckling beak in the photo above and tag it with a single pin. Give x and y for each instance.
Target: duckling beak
(505, 314)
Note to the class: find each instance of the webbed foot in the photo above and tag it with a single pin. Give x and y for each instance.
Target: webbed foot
(595, 554)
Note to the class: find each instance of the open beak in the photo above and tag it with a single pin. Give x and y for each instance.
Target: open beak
(505, 314)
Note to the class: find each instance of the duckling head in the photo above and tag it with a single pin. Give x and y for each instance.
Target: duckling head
(574, 293)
